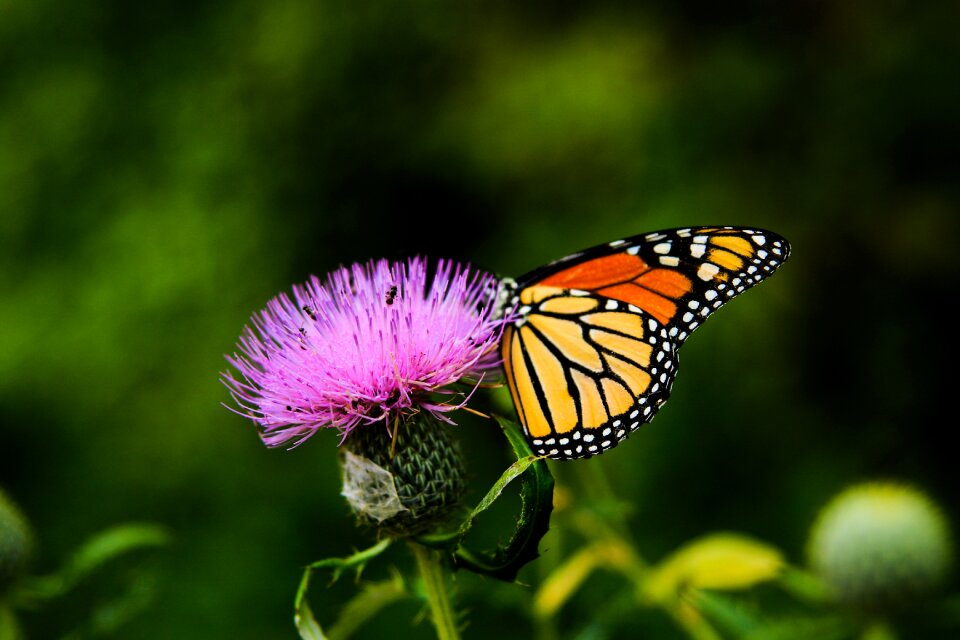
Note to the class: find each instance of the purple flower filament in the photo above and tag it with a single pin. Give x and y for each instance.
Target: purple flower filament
(372, 344)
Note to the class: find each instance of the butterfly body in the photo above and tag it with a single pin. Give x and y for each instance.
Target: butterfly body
(591, 353)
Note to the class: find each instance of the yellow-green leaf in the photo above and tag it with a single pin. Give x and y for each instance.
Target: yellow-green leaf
(717, 561)
(566, 579)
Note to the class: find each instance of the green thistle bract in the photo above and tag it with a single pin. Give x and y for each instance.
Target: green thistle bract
(403, 485)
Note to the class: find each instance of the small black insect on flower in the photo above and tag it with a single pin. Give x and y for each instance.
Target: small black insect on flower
(391, 294)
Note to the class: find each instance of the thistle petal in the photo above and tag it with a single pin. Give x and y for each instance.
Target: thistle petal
(368, 345)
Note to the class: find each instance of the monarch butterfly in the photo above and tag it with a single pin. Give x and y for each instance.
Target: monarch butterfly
(591, 352)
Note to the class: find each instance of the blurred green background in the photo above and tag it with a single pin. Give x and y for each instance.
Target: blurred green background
(165, 170)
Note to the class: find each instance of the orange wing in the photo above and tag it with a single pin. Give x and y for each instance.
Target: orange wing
(592, 354)
(629, 279)
(584, 371)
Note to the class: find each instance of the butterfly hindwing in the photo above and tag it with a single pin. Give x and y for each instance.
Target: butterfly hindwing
(584, 371)
(592, 353)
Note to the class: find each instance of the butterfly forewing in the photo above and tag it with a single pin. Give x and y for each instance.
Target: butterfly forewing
(593, 352)
(679, 276)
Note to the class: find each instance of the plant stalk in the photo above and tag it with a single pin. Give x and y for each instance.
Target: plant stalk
(434, 575)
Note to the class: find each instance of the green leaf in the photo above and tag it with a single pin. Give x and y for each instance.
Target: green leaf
(356, 561)
(878, 630)
(804, 586)
(307, 625)
(740, 621)
(724, 561)
(726, 613)
(92, 555)
(561, 584)
(9, 630)
(536, 496)
(825, 628)
(365, 605)
(303, 616)
(112, 543)
(450, 540)
(108, 616)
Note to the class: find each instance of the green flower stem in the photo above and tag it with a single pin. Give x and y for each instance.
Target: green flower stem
(696, 627)
(594, 482)
(434, 575)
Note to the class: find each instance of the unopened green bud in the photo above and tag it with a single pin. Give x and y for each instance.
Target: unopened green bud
(16, 542)
(880, 545)
(405, 484)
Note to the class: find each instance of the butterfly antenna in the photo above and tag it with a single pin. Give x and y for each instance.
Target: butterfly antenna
(475, 412)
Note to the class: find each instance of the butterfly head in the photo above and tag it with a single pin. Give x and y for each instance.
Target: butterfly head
(505, 298)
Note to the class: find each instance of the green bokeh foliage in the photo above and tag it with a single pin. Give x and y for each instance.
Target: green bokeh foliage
(165, 170)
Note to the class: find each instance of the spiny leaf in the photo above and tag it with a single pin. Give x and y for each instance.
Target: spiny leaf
(303, 616)
(536, 497)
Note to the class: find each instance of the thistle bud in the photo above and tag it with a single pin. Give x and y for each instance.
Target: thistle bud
(16, 542)
(403, 484)
(880, 545)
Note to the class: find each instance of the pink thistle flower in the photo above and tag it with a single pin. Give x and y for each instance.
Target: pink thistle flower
(374, 343)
